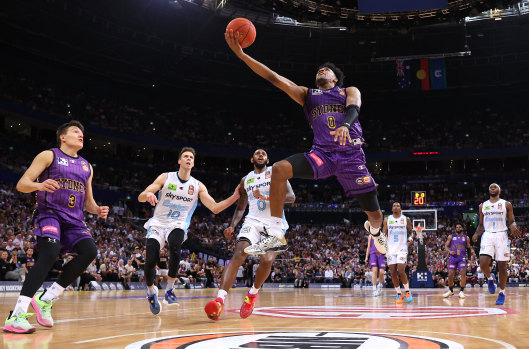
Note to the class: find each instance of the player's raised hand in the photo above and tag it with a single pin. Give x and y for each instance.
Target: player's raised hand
(228, 233)
(152, 199)
(49, 185)
(102, 211)
(232, 38)
(341, 134)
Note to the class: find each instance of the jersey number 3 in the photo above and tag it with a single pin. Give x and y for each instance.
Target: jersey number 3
(71, 201)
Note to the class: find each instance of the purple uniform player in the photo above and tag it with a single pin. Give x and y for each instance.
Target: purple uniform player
(63, 181)
(60, 214)
(457, 245)
(377, 263)
(332, 112)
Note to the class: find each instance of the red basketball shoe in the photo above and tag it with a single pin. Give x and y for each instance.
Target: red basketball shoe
(248, 305)
(214, 308)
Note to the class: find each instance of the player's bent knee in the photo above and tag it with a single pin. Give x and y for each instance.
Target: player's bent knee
(282, 169)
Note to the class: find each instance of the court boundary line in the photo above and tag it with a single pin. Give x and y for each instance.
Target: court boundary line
(361, 330)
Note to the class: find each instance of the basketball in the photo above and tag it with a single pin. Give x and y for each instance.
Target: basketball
(245, 28)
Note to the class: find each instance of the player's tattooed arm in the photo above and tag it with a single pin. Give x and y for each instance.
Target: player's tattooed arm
(239, 210)
(513, 228)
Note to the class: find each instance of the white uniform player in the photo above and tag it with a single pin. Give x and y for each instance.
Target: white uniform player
(495, 241)
(397, 240)
(254, 227)
(177, 200)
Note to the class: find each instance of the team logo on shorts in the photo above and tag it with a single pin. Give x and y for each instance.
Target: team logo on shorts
(50, 228)
(363, 180)
(62, 161)
(87, 232)
(191, 190)
(316, 158)
(297, 339)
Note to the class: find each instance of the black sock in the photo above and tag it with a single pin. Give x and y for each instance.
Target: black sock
(451, 288)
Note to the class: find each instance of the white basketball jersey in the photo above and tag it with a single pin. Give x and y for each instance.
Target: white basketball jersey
(257, 208)
(397, 234)
(177, 201)
(494, 216)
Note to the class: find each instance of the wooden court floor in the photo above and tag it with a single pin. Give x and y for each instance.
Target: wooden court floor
(283, 318)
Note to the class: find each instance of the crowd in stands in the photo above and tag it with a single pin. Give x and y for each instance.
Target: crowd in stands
(228, 126)
(331, 253)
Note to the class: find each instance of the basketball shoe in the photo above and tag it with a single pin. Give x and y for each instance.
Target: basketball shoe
(380, 239)
(18, 323)
(214, 308)
(154, 303)
(461, 294)
(248, 305)
(492, 286)
(43, 310)
(448, 293)
(501, 299)
(269, 244)
(400, 297)
(170, 298)
(409, 297)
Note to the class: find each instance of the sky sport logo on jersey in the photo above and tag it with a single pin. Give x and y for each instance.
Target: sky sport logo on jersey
(296, 339)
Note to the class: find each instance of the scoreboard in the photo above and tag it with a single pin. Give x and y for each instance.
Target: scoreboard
(418, 198)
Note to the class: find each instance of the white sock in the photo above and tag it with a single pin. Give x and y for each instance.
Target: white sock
(398, 289)
(222, 294)
(151, 290)
(170, 284)
(253, 290)
(22, 305)
(490, 278)
(502, 291)
(406, 286)
(52, 292)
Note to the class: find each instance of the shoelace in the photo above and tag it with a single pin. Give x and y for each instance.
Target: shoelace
(45, 306)
(24, 316)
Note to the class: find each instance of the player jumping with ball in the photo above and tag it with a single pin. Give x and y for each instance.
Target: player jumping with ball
(332, 112)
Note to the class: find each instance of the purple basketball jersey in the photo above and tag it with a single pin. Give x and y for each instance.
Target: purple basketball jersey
(72, 175)
(459, 245)
(325, 111)
(372, 248)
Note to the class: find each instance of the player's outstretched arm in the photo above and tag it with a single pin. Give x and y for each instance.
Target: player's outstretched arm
(242, 202)
(211, 204)
(89, 203)
(297, 93)
(149, 193)
(27, 182)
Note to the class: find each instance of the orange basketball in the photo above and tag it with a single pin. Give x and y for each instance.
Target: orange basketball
(245, 28)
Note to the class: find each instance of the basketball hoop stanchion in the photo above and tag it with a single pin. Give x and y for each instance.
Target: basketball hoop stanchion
(422, 277)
